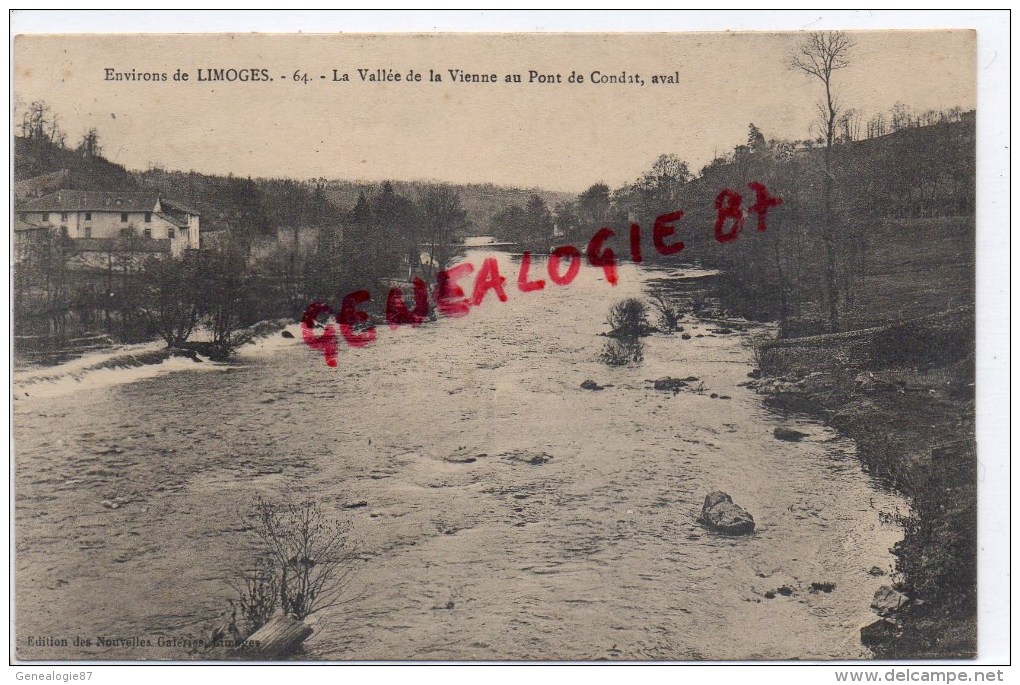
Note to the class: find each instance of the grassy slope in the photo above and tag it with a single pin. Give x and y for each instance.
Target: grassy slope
(915, 267)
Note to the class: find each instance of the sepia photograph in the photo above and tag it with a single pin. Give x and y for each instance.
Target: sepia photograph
(513, 347)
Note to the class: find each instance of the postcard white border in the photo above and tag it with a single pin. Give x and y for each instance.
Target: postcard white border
(993, 245)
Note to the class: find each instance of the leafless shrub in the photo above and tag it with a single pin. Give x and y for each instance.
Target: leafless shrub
(628, 319)
(310, 558)
(622, 352)
(669, 313)
(699, 302)
(257, 590)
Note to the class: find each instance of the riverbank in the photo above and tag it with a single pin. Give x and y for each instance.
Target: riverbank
(914, 426)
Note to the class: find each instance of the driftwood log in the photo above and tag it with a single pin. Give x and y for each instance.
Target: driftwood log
(278, 639)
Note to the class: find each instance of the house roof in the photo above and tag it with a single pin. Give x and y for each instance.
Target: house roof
(169, 203)
(179, 223)
(20, 225)
(40, 185)
(92, 200)
(102, 201)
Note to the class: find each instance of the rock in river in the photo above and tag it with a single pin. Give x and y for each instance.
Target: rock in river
(722, 514)
(669, 384)
(788, 434)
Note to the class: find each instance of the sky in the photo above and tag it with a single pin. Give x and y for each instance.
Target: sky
(559, 136)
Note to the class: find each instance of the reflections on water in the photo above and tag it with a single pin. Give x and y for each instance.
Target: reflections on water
(510, 514)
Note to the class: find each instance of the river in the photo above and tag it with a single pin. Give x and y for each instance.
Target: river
(127, 495)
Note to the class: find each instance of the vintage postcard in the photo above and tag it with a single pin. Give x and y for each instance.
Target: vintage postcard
(512, 347)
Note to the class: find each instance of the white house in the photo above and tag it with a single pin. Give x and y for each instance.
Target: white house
(98, 216)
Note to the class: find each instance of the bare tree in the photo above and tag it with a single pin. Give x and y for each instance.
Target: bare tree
(172, 297)
(820, 55)
(89, 146)
(56, 135)
(877, 126)
(224, 271)
(44, 279)
(442, 219)
(850, 125)
(901, 116)
(35, 120)
(662, 185)
(40, 125)
(593, 206)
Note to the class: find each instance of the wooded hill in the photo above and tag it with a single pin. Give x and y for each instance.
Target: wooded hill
(900, 226)
(39, 157)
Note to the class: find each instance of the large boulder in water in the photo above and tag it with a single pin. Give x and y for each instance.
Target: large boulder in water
(723, 515)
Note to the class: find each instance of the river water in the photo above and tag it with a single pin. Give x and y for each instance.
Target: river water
(508, 514)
